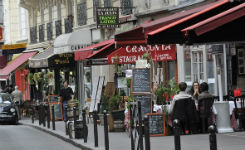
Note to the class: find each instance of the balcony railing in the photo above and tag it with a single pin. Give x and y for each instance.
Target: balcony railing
(49, 31)
(126, 7)
(69, 24)
(58, 28)
(41, 33)
(33, 34)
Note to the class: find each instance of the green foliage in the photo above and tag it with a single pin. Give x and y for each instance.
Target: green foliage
(104, 104)
(170, 89)
(30, 79)
(114, 102)
(130, 99)
(128, 82)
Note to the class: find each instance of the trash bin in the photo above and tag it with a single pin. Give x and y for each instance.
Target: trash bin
(79, 129)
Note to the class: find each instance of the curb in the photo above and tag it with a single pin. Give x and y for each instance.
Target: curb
(58, 136)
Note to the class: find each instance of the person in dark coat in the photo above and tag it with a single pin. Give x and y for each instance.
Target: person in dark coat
(205, 103)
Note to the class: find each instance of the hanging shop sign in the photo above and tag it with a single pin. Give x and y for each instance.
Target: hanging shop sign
(13, 48)
(107, 17)
(132, 53)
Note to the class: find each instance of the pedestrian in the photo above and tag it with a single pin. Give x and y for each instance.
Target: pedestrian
(178, 107)
(205, 103)
(194, 92)
(66, 94)
(18, 100)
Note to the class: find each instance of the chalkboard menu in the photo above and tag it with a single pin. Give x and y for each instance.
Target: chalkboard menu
(141, 82)
(57, 111)
(156, 124)
(145, 103)
(54, 98)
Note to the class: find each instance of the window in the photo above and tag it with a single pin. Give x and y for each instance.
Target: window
(70, 7)
(23, 23)
(96, 3)
(58, 10)
(42, 16)
(82, 14)
(240, 60)
(107, 3)
(126, 7)
(50, 13)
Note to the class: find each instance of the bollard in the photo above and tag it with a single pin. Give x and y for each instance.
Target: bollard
(131, 126)
(33, 114)
(53, 117)
(176, 125)
(147, 135)
(43, 115)
(39, 115)
(48, 115)
(85, 127)
(95, 129)
(212, 137)
(66, 119)
(74, 115)
(141, 147)
(106, 131)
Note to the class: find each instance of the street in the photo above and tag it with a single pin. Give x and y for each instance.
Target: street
(26, 138)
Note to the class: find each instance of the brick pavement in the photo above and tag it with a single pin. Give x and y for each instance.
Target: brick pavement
(121, 140)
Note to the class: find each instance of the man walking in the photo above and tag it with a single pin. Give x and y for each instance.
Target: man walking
(18, 99)
(66, 94)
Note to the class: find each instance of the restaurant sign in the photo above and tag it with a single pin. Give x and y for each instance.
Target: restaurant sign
(132, 53)
(62, 60)
(107, 17)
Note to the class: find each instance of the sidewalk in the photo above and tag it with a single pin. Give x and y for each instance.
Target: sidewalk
(121, 140)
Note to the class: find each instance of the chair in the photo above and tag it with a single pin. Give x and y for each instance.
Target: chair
(184, 110)
(240, 112)
(205, 112)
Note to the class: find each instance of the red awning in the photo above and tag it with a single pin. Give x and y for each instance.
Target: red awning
(217, 21)
(16, 63)
(171, 33)
(102, 53)
(83, 53)
(140, 33)
(129, 54)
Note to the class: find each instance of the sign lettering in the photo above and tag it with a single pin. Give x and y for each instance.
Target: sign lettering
(108, 17)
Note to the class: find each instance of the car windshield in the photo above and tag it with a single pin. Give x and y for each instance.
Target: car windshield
(5, 98)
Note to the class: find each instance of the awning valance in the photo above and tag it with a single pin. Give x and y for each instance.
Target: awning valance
(129, 54)
(83, 53)
(171, 33)
(232, 21)
(16, 63)
(41, 60)
(68, 43)
(49, 59)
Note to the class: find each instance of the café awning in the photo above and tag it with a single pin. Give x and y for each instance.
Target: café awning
(41, 60)
(171, 33)
(129, 54)
(139, 34)
(230, 23)
(68, 43)
(83, 53)
(13, 65)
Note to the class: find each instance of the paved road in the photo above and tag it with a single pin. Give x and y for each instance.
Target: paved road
(26, 138)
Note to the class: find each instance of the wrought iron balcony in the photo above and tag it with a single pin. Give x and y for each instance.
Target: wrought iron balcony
(33, 34)
(49, 31)
(126, 7)
(69, 24)
(41, 33)
(58, 28)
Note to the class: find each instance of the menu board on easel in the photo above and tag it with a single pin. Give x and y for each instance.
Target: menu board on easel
(99, 92)
(156, 124)
(57, 110)
(141, 86)
(141, 81)
(94, 92)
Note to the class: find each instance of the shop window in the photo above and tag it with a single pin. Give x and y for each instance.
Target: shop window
(240, 61)
(126, 6)
(107, 3)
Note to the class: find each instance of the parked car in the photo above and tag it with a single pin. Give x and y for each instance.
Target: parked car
(8, 109)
